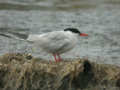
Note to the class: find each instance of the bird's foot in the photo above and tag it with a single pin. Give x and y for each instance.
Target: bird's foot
(57, 57)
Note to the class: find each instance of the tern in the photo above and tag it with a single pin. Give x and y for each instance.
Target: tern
(57, 42)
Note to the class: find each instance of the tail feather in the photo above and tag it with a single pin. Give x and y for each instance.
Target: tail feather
(14, 32)
(20, 35)
(1, 34)
(16, 36)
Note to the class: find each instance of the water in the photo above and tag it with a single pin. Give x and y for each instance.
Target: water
(99, 18)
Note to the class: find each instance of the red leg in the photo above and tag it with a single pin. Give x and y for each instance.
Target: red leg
(55, 57)
(59, 58)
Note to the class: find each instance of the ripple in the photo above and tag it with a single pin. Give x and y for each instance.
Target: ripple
(20, 7)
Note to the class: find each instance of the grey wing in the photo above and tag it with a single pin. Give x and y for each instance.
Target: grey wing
(54, 36)
(55, 42)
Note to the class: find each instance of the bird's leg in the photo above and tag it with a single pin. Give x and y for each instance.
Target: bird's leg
(59, 58)
(55, 57)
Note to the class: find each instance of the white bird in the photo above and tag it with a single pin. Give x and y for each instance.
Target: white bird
(57, 42)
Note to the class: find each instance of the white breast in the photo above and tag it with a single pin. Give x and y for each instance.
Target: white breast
(55, 42)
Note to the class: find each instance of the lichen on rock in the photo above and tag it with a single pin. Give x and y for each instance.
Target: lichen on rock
(24, 72)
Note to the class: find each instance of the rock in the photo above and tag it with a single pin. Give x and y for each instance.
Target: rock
(20, 73)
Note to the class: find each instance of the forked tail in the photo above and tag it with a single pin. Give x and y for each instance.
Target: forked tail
(15, 36)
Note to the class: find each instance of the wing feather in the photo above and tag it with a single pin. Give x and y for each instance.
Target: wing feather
(52, 42)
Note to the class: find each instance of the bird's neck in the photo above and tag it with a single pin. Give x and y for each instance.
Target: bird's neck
(75, 35)
(72, 35)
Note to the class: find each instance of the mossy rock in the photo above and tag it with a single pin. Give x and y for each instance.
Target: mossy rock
(18, 72)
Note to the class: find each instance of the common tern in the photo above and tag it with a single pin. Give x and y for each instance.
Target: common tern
(57, 42)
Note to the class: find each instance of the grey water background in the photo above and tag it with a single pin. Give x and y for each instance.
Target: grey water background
(99, 18)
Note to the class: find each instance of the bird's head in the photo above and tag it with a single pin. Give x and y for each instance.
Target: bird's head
(75, 31)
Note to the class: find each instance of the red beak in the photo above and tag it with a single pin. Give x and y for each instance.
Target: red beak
(83, 34)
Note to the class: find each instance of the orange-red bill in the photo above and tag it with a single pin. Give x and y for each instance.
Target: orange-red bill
(83, 34)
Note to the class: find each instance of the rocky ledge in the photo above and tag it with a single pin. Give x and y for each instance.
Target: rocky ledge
(24, 72)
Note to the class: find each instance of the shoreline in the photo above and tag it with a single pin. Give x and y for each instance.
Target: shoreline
(23, 72)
